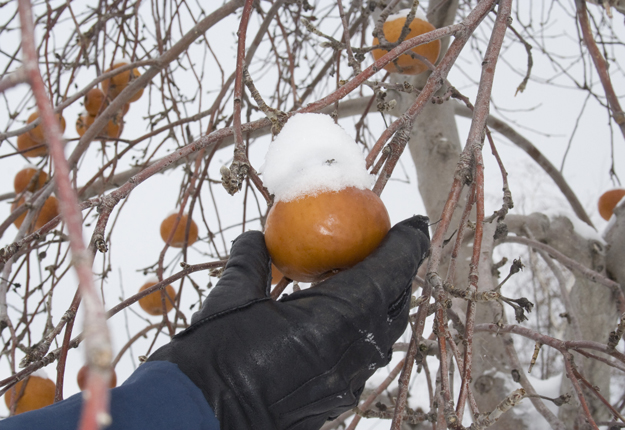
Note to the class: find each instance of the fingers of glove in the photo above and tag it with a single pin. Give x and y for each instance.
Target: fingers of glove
(417, 222)
(246, 277)
(383, 278)
(328, 393)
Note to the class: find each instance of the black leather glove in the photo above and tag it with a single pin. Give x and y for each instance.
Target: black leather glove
(295, 363)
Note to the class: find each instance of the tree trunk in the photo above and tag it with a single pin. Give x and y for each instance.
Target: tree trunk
(592, 304)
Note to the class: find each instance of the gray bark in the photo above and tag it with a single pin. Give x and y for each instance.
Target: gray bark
(592, 304)
(615, 237)
(435, 148)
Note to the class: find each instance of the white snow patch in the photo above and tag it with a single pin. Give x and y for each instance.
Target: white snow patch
(30, 166)
(620, 202)
(123, 60)
(525, 409)
(609, 225)
(41, 373)
(549, 388)
(580, 227)
(311, 155)
(404, 13)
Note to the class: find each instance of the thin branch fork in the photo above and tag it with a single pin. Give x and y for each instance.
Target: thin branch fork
(16, 247)
(98, 344)
(531, 150)
(574, 266)
(78, 95)
(378, 65)
(596, 392)
(600, 65)
(475, 141)
(540, 406)
(446, 409)
(459, 360)
(569, 367)
(560, 345)
(564, 293)
(509, 402)
(7, 383)
(351, 61)
(240, 164)
(62, 360)
(160, 63)
(188, 269)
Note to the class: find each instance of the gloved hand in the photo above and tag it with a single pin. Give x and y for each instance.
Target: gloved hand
(296, 362)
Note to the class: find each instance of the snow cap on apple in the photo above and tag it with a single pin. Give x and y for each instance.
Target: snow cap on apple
(312, 155)
(404, 14)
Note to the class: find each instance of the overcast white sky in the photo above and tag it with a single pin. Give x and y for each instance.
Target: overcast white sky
(546, 114)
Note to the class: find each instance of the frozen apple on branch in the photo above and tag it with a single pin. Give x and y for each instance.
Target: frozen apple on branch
(325, 218)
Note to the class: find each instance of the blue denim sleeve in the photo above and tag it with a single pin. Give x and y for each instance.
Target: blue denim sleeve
(157, 396)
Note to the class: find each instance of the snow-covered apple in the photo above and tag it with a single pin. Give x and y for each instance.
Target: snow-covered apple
(325, 218)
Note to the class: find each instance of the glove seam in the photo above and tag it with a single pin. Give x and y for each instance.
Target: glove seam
(361, 339)
(395, 309)
(219, 315)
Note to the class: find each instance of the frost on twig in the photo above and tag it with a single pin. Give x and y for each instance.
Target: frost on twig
(616, 335)
(232, 177)
(276, 116)
(486, 420)
(534, 356)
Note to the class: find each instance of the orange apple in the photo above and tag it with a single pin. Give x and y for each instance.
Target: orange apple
(24, 177)
(49, 211)
(81, 378)
(315, 235)
(177, 240)
(405, 63)
(39, 392)
(152, 302)
(608, 201)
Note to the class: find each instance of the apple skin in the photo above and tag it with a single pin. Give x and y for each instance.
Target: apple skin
(315, 235)
(152, 303)
(177, 241)
(407, 64)
(39, 393)
(608, 201)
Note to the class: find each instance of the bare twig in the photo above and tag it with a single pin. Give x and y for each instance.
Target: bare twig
(601, 65)
(575, 266)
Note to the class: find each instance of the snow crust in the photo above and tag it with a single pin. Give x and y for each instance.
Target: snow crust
(525, 410)
(312, 155)
(404, 13)
(580, 227)
(123, 60)
(41, 373)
